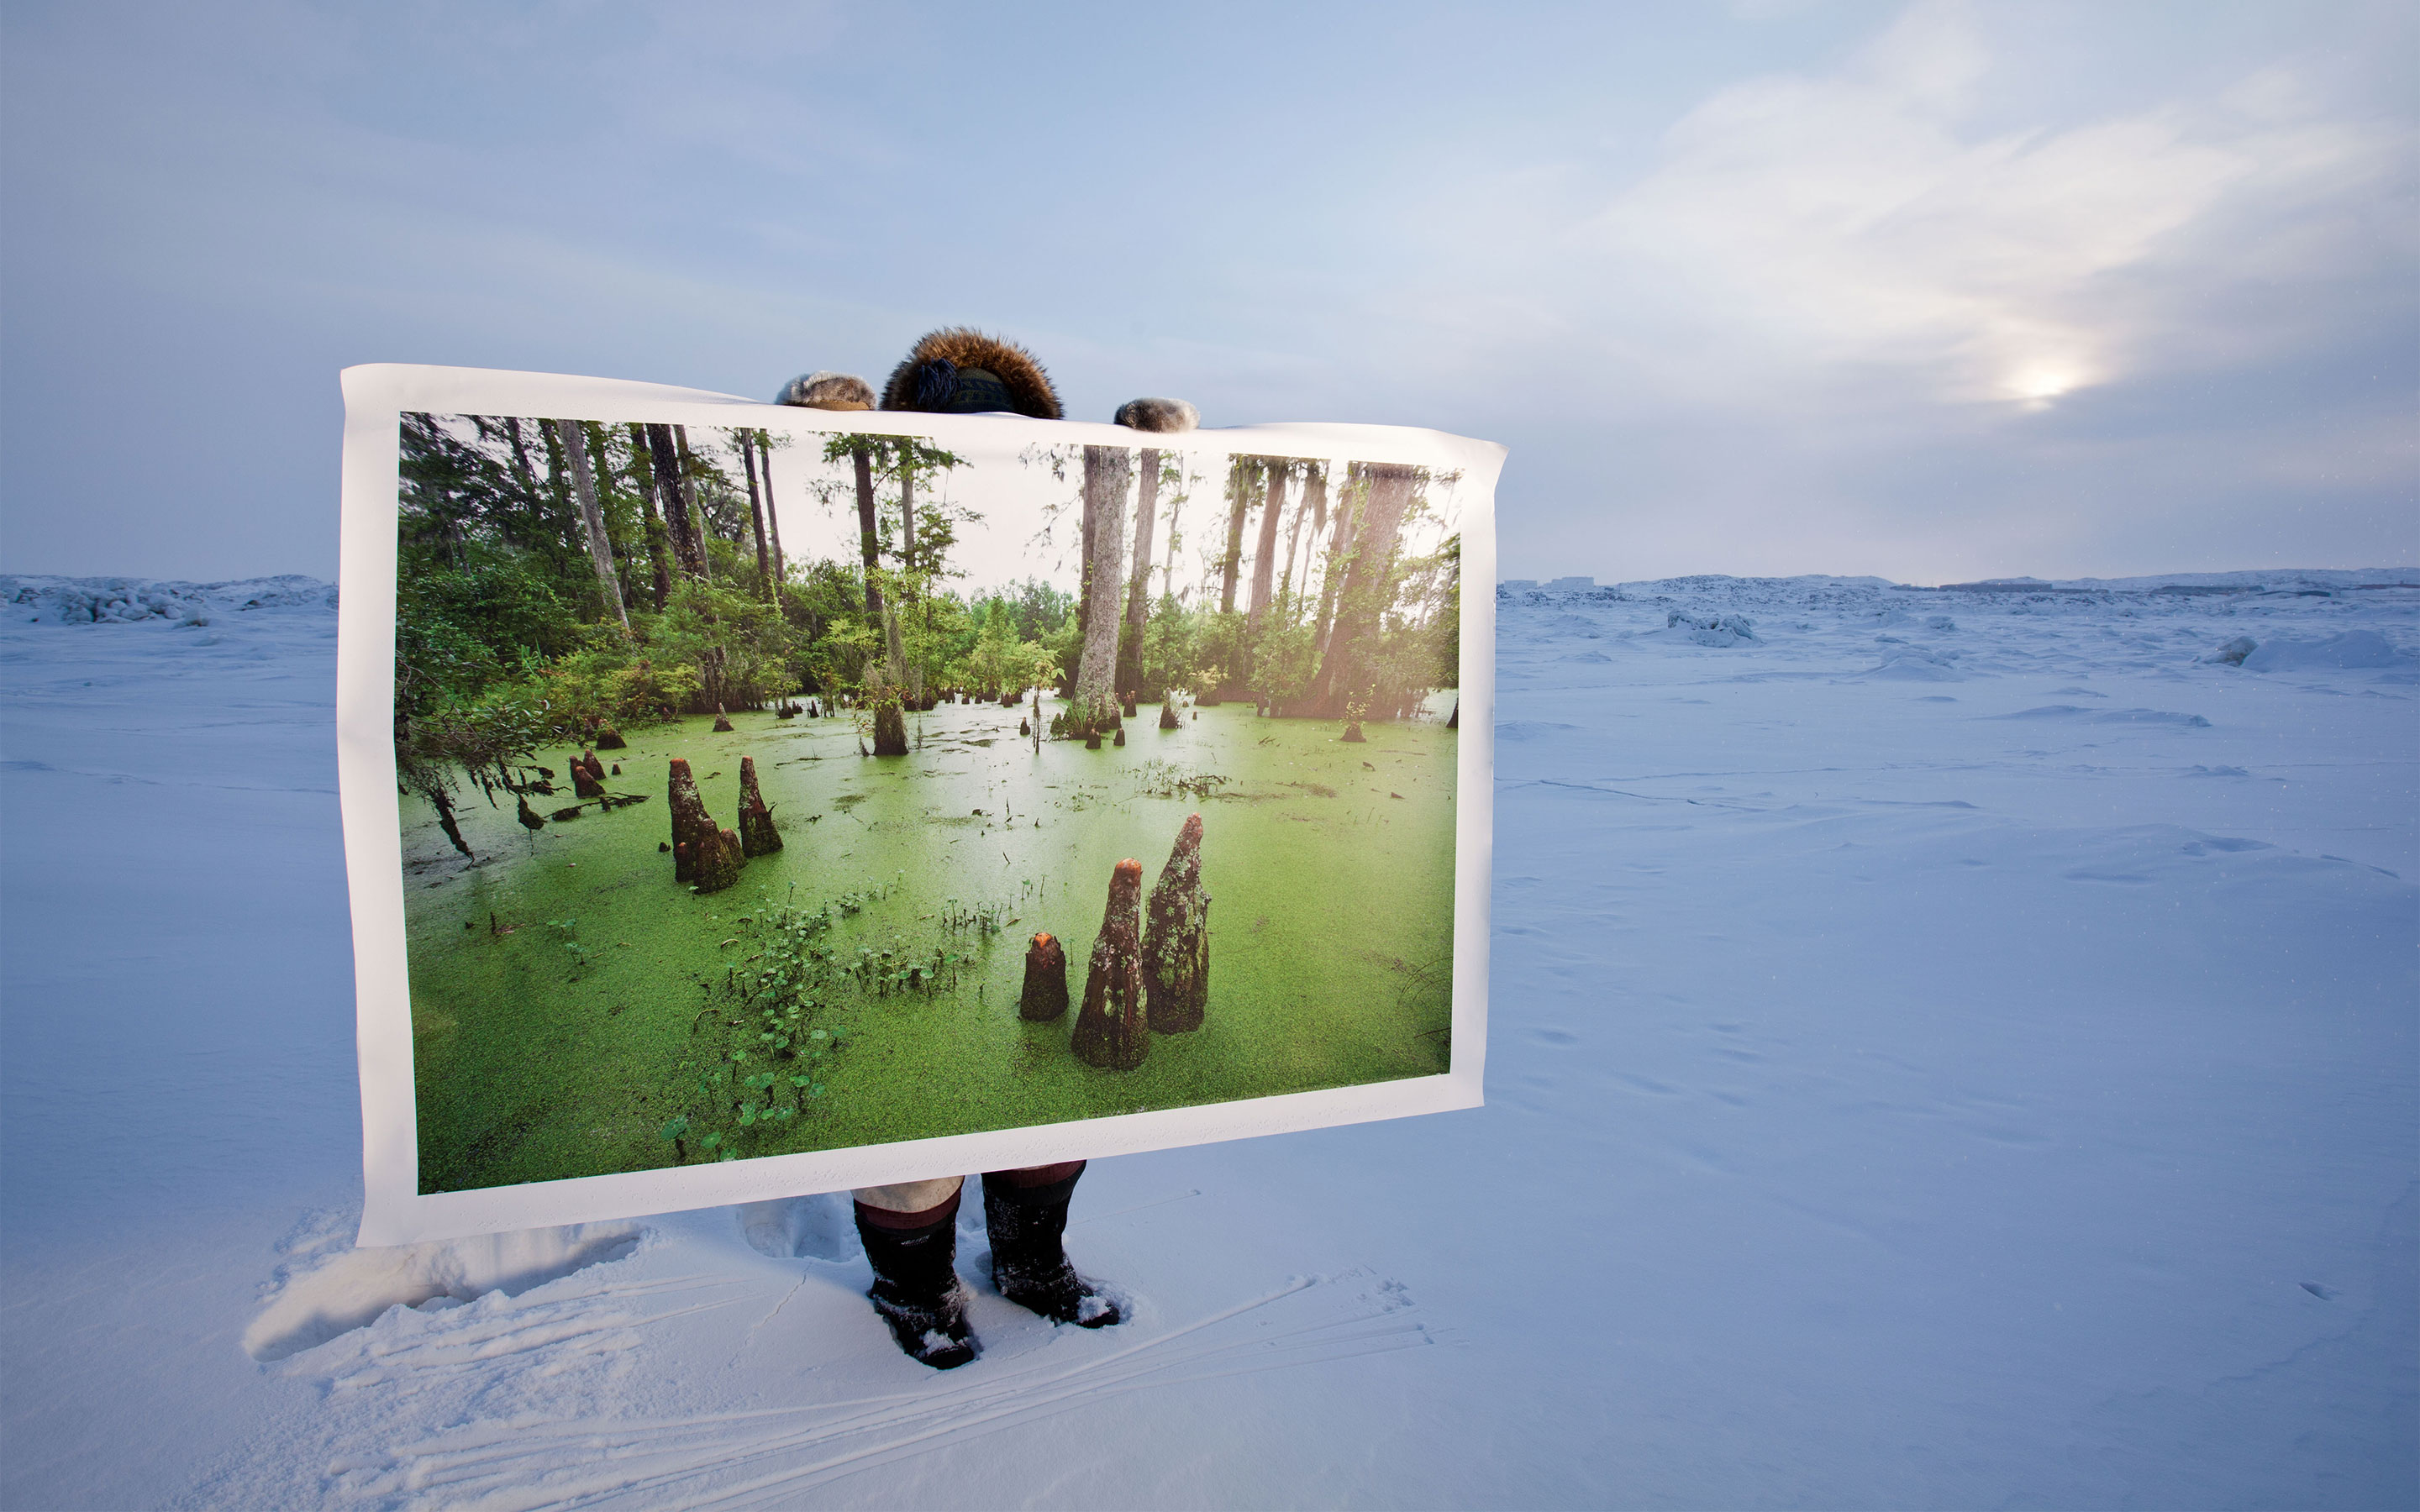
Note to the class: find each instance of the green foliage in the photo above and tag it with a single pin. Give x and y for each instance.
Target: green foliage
(1283, 663)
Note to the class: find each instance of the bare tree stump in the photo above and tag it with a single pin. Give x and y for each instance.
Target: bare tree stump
(1024, 727)
(1121, 737)
(609, 738)
(1091, 740)
(1167, 713)
(757, 834)
(587, 777)
(1176, 938)
(1046, 980)
(1353, 735)
(1110, 1031)
(722, 721)
(1126, 706)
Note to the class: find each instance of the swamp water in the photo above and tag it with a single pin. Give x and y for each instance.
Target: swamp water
(568, 995)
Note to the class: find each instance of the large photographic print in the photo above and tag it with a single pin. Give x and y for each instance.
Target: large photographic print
(769, 790)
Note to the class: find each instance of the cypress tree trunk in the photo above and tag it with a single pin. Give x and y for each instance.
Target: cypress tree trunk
(1332, 574)
(674, 498)
(642, 465)
(600, 545)
(704, 572)
(1264, 555)
(1239, 501)
(869, 544)
(1368, 588)
(1129, 677)
(1110, 1031)
(1105, 470)
(890, 729)
(1314, 502)
(772, 518)
(906, 526)
(757, 518)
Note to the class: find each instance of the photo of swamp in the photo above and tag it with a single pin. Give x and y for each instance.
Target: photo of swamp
(1023, 787)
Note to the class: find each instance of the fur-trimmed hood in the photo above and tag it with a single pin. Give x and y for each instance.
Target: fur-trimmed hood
(827, 390)
(934, 377)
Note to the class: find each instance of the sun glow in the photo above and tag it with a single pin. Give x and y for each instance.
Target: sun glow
(2036, 385)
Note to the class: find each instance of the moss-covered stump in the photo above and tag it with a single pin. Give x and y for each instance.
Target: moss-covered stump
(1046, 980)
(1121, 737)
(609, 738)
(1353, 735)
(757, 834)
(890, 730)
(691, 822)
(1167, 715)
(1176, 939)
(718, 860)
(1091, 740)
(1110, 1031)
(722, 721)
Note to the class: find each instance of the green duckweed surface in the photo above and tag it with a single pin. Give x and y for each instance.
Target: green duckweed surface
(570, 1001)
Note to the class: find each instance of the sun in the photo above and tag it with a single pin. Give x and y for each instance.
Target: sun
(2038, 385)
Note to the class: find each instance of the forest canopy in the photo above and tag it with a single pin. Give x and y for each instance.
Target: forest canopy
(556, 578)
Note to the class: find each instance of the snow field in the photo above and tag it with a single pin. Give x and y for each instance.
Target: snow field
(1947, 1049)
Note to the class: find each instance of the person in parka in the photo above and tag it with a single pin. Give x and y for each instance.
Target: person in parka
(910, 1229)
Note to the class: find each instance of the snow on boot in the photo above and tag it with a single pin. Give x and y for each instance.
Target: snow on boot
(916, 1289)
(1028, 1264)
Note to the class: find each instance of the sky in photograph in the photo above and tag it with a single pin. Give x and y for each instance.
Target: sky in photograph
(1933, 291)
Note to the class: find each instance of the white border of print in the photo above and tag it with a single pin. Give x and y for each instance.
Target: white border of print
(396, 1212)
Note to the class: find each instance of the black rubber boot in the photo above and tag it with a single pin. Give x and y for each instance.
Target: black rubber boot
(916, 1290)
(1028, 1264)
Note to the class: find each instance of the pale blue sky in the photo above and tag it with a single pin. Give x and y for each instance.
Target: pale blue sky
(1785, 285)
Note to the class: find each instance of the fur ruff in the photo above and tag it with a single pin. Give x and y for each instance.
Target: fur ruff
(913, 383)
(1166, 416)
(827, 390)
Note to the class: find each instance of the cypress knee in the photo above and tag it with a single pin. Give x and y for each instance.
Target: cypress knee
(1167, 713)
(1046, 980)
(1176, 938)
(691, 822)
(587, 777)
(1120, 738)
(1353, 735)
(610, 738)
(1109, 1029)
(722, 721)
(757, 834)
(717, 858)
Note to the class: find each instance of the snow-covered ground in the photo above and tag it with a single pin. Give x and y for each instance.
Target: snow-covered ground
(1950, 1049)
